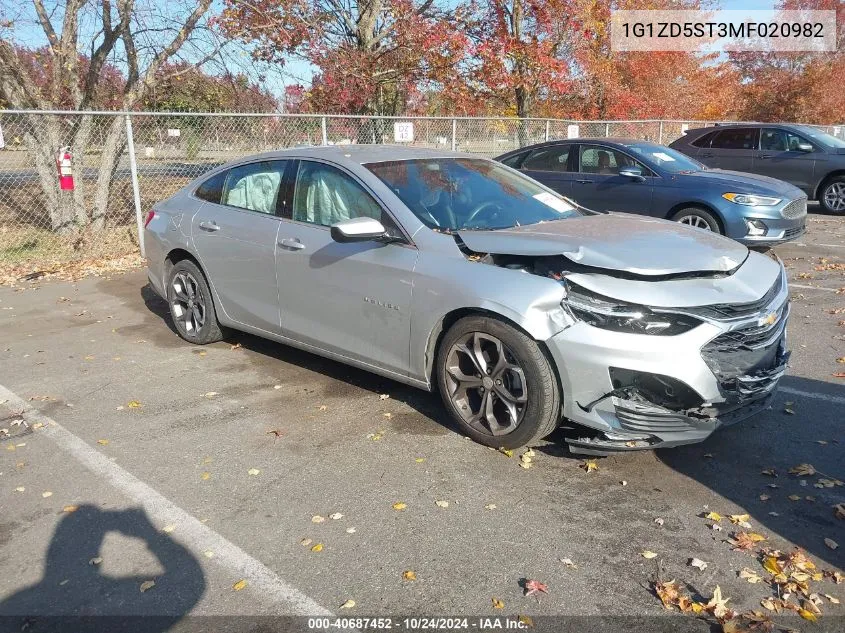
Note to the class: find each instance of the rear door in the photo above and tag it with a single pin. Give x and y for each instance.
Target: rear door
(731, 148)
(598, 185)
(354, 298)
(234, 234)
(553, 166)
(779, 157)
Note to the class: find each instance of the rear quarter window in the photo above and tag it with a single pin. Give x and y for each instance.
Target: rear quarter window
(704, 140)
(212, 189)
(515, 161)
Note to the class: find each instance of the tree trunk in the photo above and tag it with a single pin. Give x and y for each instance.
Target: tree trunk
(113, 147)
(522, 107)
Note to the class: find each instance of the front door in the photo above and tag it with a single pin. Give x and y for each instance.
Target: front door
(779, 157)
(551, 165)
(234, 234)
(732, 148)
(348, 298)
(598, 185)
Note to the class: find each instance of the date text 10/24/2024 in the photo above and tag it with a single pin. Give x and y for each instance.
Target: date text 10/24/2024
(420, 623)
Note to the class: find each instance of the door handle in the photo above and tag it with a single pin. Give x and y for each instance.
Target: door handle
(209, 226)
(764, 156)
(584, 182)
(707, 155)
(291, 243)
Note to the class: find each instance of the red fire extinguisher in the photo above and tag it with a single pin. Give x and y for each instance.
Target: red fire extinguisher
(63, 164)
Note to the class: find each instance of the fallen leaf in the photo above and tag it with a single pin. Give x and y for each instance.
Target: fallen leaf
(205, 476)
(746, 540)
(95, 561)
(317, 548)
(384, 396)
(590, 465)
(770, 472)
(831, 543)
(713, 516)
(210, 394)
(750, 576)
(317, 519)
(239, 585)
(305, 542)
(525, 465)
(506, 452)
(208, 553)
(803, 470)
(659, 521)
(647, 554)
(498, 604)
(350, 530)
(568, 562)
(534, 587)
(739, 518)
(807, 615)
(718, 605)
(526, 621)
(772, 565)
(235, 346)
(147, 585)
(794, 497)
(839, 510)
(46, 494)
(831, 598)
(253, 471)
(409, 575)
(70, 509)
(668, 592)
(490, 506)
(167, 529)
(442, 504)
(322, 407)
(764, 497)
(400, 505)
(698, 563)
(20, 489)
(134, 404)
(335, 516)
(420, 460)
(348, 604)
(838, 374)
(103, 442)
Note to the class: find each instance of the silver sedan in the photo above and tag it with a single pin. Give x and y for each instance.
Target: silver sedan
(454, 273)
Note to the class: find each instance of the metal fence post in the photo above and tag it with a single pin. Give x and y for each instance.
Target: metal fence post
(660, 134)
(136, 192)
(607, 130)
(546, 138)
(454, 134)
(325, 133)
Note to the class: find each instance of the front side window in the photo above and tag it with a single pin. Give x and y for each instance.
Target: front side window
(324, 195)
(254, 186)
(456, 194)
(600, 160)
(776, 140)
(736, 138)
(548, 159)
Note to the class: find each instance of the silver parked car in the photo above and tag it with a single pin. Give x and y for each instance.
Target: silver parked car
(447, 270)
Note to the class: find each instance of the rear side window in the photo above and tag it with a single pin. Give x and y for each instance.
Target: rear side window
(735, 138)
(254, 186)
(515, 160)
(704, 141)
(548, 159)
(212, 189)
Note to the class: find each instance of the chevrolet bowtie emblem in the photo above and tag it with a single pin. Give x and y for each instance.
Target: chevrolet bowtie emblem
(769, 319)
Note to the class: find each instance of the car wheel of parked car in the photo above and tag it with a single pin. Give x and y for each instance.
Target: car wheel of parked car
(191, 305)
(497, 383)
(833, 195)
(698, 218)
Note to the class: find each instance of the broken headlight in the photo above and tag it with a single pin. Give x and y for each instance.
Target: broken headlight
(618, 316)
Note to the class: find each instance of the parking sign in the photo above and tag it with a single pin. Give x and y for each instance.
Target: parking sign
(572, 131)
(403, 132)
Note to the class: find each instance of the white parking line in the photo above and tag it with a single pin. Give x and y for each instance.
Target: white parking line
(196, 536)
(812, 394)
(811, 287)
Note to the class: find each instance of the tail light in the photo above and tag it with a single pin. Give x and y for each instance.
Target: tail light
(150, 216)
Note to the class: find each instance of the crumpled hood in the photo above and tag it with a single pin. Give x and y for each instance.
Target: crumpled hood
(742, 182)
(616, 241)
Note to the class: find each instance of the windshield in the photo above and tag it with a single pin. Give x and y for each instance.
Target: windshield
(456, 194)
(822, 137)
(665, 158)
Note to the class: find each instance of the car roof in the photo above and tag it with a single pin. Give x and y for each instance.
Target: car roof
(605, 140)
(353, 155)
(730, 126)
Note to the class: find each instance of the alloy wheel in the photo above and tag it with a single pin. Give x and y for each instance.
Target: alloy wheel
(188, 303)
(695, 221)
(486, 384)
(834, 197)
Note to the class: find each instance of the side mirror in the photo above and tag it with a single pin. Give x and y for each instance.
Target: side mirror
(361, 229)
(805, 147)
(632, 172)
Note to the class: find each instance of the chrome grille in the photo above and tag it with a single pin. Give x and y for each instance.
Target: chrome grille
(795, 209)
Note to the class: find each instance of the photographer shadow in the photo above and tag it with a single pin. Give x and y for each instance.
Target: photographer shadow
(74, 594)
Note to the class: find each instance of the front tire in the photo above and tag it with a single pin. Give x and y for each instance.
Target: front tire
(191, 305)
(497, 383)
(832, 196)
(697, 218)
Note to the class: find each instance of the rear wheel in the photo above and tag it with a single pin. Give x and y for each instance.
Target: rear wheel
(697, 218)
(496, 383)
(191, 305)
(832, 197)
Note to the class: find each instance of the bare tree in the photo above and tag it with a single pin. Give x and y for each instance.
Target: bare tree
(136, 36)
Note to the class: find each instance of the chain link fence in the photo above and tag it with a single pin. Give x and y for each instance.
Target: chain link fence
(123, 163)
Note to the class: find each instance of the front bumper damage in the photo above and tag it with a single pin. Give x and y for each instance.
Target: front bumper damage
(638, 392)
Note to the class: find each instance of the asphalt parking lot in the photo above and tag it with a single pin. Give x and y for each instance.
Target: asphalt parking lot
(199, 468)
